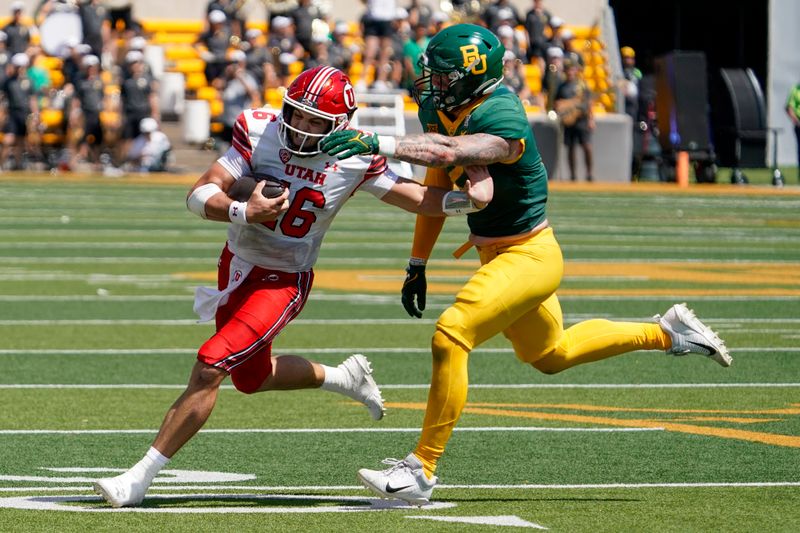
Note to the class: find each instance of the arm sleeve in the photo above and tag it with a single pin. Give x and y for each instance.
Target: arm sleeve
(427, 229)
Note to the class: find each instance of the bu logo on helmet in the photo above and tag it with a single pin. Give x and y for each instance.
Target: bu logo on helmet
(473, 59)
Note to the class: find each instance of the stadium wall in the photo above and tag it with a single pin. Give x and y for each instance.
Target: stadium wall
(782, 73)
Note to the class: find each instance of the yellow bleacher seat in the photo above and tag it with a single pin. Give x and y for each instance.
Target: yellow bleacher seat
(217, 127)
(216, 107)
(180, 51)
(256, 25)
(57, 78)
(187, 66)
(207, 93)
(111, 90)
(195, 80)
(107, 76)
(49, 62)
(51, 118)
(110, 119)
(194, 26)
(52, 138)
(173, 38)
(295, 68)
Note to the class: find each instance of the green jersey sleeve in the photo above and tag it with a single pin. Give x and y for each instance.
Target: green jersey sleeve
(502, 116)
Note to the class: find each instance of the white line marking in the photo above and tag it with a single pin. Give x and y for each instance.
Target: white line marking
(605, 486)
(319, 430)
(348, 504)
(499, 520)
(117, 386)
(373, 350)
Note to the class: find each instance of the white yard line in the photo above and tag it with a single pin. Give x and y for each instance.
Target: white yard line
(323, 430)
(373, 350)
(95, 386)
(593, 486)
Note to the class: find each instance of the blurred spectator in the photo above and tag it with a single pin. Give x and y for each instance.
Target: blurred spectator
(508, 37)
(631, 78)
(439, 19)
(93, 22)
(412, 51)
(284, 47)
(136, 43)
(793, 110)
(536, 20)
(71, 62)
(22, 109)
(419, 13)
(554, 26)
(39, 76)
(401, 32)
(340, 55)
(568, 43)
(499, 11)
(239, 92)
(139, 95)
(377, 29)
(5, 57)
(234, 20)
(259, 60)
(213, 44)
(87, 106)
(18, 36)
(150, 150)
(573, 103)
(514, 78)
(553, 75)
(303, 17)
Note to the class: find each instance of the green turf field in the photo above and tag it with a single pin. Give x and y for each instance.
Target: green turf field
(96, 284)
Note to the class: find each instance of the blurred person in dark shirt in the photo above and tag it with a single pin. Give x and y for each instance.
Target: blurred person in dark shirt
(22, 111)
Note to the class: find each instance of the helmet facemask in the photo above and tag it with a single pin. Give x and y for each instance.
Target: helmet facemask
(309, 142)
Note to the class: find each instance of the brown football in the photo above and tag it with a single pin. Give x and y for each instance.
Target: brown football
(242, 188)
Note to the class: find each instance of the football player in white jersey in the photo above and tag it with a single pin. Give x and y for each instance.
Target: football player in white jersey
(265, 269)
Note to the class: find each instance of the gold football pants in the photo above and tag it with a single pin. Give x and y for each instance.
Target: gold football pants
(514, 292)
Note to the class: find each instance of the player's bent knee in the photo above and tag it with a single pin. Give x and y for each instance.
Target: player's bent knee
(451, 325)
(246, 384)
(551, 364)
(207, 376)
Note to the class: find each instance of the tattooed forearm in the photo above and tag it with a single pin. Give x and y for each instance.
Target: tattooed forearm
(436, 150)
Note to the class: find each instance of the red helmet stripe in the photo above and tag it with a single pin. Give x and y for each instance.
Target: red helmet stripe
(315, 85)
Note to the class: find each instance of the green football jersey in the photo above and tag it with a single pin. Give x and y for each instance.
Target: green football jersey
(520, 186)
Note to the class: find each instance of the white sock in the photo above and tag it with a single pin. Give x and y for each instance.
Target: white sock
(146, 469)
(336, 379)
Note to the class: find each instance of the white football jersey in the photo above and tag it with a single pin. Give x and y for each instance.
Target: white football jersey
(318, 188)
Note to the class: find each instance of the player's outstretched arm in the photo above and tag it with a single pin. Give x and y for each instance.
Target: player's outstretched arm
(429, 149)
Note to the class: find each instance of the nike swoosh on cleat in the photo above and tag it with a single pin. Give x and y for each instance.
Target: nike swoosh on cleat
(710, 349)
(392, 490)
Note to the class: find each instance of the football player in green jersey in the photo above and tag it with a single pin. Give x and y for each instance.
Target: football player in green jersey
(478, 136)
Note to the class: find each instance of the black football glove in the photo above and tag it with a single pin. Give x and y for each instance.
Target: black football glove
(415, 286)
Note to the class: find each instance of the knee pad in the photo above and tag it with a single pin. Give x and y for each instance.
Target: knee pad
(451, 324)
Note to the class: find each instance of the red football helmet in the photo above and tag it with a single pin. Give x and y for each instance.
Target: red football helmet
(324, 92)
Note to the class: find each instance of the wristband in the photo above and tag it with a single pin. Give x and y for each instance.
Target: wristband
(457, 203)
(387, 145)
(237, 213)
(417, 261)
(196, 202)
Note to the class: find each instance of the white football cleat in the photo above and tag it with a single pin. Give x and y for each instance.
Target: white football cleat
(122, 490)
(404, 480)
(689, 335)
(361, 386)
